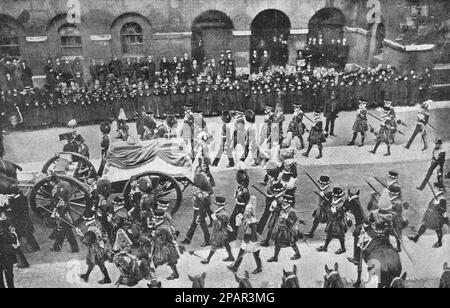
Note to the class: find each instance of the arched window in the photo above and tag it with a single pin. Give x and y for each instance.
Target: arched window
(132, 38)
(9, 41)
(70, 37)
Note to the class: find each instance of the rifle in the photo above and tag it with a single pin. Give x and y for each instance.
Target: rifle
(381, 182)
(260, 191)
(62, 219)
(312, 180)
(381, 121)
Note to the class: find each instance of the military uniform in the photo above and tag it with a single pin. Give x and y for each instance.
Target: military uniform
(384, 135)
(226, 142)
(201, 203)
(242, 197)
(9, 242)
(361, 125)
(423, 118)
(316, 137)
(437, 162)
(322, 213)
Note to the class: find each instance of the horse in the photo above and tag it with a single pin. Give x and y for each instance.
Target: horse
(8, 175)
(198, 282)
(445, 279)
(385, 259)
(244, 283)
(332, 279)
(399, 282)
(290, 279)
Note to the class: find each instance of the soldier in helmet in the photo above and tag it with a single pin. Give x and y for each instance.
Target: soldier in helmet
(435, 217)
(219, 236)
(63, 219)
(249, 238)
(336, 227)
(322, 212)
(9, 242)
(226, 144)
(437, 162)
(105, 129)
(201, 205)
(286, 231)
(242, 197)
(105, 208)
(97, 255)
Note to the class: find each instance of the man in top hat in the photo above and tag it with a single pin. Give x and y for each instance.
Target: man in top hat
(361, 125)
(423, 118)
(275, 210)
(219, 235)
(9, 242)
(286, 232)
(322, 213)
(435, 217)
(437, 162)
(248, 237)
(336, 227)
(201, 206)
(226, 144)
(63, 219)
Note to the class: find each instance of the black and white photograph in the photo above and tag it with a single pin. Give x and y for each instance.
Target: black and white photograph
(224, 144)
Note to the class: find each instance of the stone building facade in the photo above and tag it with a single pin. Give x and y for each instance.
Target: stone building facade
(37, 29)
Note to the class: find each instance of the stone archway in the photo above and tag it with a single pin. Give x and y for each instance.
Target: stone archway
(212, 33)
(327, 23)
(264, 28)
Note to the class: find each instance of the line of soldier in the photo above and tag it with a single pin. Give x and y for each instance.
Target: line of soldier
(38, 107)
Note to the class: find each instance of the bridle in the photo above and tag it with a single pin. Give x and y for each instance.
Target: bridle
(289, 278)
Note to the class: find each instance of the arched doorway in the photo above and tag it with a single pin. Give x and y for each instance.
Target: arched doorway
(270, 31)
(376, 33)
(327, 23)
(212, 32)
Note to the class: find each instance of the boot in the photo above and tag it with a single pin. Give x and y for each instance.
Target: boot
(414, 239)
(258, 262)
(352, 142)
(216, 162)
(207, 260)
(342, 250)
(230, 163)
(230, 255)
(421, 232)
(186, 241)
(310, 234)
(320, 153)
(362, 142)
(85, 277)
(275, 256)
(388, 151)
(324, 248)
(374, 151)
(440, 235)
(306, 154)
(235, 267)
(106, 279)
(175, 274)
(297, 255)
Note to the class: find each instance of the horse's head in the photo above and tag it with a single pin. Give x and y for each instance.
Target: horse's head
(399, 282)
(244, 283)
(290, 279)
(332, 279)
(198, 282)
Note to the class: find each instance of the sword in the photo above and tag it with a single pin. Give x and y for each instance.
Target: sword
(373, 188)
(381, 182)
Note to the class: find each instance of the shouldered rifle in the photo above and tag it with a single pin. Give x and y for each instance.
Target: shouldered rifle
(373, 188)
(260, 191)
(381, 182)
(78, 231)
(312, 180)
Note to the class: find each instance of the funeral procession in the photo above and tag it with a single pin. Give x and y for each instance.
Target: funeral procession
(224, 144)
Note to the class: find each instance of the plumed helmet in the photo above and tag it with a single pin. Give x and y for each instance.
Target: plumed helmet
(202, 182)
(324, 180)
(250, 116)
(72, 123)
(64, 190)
(145, 184)
(104, 187)
(171, 121)
(242, 178)
(226, 117)
(105, 127)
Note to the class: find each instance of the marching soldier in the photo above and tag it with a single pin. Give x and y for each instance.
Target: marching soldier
(20, 217)
(225, 142)
(437, 162)
(97, 255)
(384, 134)
(219, 236)
(286, 232)
(9, 242)
(316, 137)
(361, 125)
(275, 210)
(63, 219)
(242, 197)
(249, 238)
(322, 213)
(296, 130)
(273, 178)
(435, 217)
(423, 118)
(336, 227)
(201, 205)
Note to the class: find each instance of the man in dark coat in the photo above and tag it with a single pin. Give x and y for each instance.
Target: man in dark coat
(8, 243)
(330, 112)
